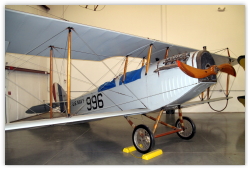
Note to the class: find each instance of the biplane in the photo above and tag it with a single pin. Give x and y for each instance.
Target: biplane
(169, 76)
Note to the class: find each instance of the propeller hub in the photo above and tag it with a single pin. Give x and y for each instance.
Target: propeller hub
(215, 69)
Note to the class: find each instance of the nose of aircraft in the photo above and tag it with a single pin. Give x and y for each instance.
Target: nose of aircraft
(206, 69)
(204, 61)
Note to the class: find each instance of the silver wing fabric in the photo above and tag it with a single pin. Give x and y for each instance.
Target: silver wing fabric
(31, 34)
(78, 118)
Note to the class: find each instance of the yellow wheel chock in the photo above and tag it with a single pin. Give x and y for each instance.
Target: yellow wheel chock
(129, 149)
(152, 154)
(146, 156)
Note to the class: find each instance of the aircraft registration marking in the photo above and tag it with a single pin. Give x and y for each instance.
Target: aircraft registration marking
(94, 102)
(78, 102)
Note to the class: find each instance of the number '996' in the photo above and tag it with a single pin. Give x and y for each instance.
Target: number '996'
(94, 102)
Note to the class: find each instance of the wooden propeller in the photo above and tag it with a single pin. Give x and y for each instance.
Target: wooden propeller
(201, 73)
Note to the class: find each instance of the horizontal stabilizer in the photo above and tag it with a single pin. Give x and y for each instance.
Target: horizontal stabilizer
(59, 96)
(43, 108)
(62, 120)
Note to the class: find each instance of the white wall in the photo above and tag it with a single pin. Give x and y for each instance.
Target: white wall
(27, 89)
(193, 26)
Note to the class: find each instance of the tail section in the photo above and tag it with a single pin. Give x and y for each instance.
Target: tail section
(60, 98)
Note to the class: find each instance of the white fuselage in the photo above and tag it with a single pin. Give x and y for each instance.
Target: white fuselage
(152, 91)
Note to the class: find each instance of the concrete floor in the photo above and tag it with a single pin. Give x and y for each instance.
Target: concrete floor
(219, 140)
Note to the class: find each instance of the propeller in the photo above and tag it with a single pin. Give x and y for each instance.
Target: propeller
(201, 73)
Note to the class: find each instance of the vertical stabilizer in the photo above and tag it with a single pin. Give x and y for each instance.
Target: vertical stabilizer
(60, 95)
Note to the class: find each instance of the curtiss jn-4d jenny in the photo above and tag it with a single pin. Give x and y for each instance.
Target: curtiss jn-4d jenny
(169, 76)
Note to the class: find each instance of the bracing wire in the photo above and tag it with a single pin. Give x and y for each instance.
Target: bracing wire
(234, 79)
(118, 71)
(219, 50)
(222, 88)
(63, 67)
(83, 75)
(37, 47)
(105, 74)
(96, 86)
(109, 70)
(93, 51)
(57, 69)
(82, 52)
(45, 42)
(27, 92)
(25, 61)
(233, 53)
(48, 68)
(20, 103)
(120, 68)
(64, 58)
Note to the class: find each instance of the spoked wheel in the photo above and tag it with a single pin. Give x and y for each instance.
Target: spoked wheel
(143, 139)
(189, 128)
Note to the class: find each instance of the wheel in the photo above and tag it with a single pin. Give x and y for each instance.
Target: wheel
(143, 139)
(189, 130)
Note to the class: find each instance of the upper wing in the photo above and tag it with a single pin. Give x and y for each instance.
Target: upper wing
(31, 34)
(61, 120)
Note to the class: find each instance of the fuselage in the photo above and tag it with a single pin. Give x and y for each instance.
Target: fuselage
(165, 84)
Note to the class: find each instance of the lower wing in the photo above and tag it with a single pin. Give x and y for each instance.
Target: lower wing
(95, 116)
(78, 118)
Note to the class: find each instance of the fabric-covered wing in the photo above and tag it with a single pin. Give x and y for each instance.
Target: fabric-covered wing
(79, 118)
(31, 34)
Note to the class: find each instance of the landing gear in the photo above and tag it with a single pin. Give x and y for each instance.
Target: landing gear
(189, 129)
(143, 139)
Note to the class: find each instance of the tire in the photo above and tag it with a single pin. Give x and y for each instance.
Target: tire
(143, 139)
(190, 128)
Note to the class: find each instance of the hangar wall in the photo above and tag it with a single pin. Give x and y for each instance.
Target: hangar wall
(24, 89)
(193, 26)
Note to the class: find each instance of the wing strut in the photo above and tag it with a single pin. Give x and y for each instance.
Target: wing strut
(143, 62)
(51, 80)
(166, 54)
(148, 58)
(125, 69)
(69, 71)
(227, 93)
